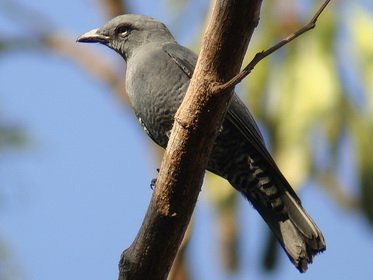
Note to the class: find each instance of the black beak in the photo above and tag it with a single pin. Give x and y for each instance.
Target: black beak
(93, 36)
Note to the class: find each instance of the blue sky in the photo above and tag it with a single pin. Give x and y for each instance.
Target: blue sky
(75, 196)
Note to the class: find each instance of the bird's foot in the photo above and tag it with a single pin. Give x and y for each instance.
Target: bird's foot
(153, 182)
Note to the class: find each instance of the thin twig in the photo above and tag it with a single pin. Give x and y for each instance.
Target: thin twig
(261, 55)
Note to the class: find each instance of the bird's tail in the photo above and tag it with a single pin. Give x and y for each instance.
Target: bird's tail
(293, 227)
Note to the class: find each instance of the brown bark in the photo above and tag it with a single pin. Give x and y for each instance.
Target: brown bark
(196, 125)
(113, 8)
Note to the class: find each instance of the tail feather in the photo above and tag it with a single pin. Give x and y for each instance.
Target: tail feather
(303, 222)
(297, 233)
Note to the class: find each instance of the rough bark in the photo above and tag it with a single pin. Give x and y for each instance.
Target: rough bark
(196, 125)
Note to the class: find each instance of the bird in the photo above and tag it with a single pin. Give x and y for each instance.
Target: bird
(158, 72)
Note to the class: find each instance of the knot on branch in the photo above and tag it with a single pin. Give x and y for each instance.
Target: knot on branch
(186, 124)
(125, 263)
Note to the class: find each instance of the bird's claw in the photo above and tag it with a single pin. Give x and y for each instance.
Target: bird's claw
(153, 182)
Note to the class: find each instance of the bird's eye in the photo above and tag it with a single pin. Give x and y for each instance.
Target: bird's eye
(123, 31)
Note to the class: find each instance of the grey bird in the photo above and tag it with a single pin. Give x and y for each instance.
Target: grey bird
(157, 77)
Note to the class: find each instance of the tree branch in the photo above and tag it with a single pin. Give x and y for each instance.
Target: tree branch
(113, 8)
(50, 36)
(261, 55)
(195, 128)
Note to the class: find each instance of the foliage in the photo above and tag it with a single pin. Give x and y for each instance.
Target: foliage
(313, 99)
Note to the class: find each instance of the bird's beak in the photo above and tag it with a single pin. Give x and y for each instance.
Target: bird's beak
(93, 36)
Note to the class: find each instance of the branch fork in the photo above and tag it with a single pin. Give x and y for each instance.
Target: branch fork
(196, 126)
(263, 54)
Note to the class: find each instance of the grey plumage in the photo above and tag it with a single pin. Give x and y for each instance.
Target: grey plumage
(157, 77)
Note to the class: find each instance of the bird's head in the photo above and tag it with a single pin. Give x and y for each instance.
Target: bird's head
(126, 33)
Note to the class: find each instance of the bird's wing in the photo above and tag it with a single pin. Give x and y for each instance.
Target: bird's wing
(238, 114)
(183, 57)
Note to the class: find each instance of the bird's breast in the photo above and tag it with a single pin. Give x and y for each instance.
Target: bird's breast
(155, 87)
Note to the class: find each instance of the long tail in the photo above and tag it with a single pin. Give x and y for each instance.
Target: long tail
(248, 166)
(278, 204)
(294, 229)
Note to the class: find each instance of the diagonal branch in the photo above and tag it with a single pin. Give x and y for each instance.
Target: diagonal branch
(46, 34)
(261, 55)
(196, 126)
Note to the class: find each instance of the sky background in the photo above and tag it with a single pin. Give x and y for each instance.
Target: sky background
(74, 197)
